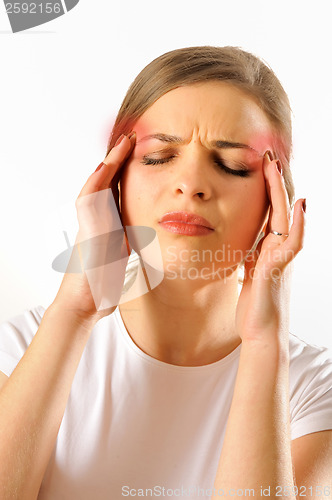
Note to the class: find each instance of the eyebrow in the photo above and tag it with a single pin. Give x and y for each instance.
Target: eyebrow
(173, 139)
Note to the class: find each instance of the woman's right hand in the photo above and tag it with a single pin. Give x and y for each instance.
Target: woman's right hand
(92, 293)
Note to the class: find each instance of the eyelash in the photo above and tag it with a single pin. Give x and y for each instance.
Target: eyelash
(160, 161)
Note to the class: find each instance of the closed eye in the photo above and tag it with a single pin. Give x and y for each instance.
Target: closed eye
(242, 172)
(157, 161)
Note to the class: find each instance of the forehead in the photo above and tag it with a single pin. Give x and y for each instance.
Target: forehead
(213, 110)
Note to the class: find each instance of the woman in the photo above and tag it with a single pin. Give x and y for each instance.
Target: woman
(190, 389)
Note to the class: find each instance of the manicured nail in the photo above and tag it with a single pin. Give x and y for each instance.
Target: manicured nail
(304, 205)
(99, 166)
(120, 139)
(268, 154)
(279, 167)
(132, 135)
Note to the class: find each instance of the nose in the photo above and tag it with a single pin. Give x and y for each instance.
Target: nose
(192, 179)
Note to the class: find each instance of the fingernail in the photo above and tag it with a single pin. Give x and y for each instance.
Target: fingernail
(304, 205)
(268, 154)
(279, 167)
(120, 139)
(99, 166)
(132, 135)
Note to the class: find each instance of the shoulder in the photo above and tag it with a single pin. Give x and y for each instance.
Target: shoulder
(309, 360)
(23, 325)
(310, 384)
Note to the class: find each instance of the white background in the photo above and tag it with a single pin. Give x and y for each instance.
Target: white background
(62, 83)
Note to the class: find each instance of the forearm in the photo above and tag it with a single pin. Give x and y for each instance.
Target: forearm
(257, 449)
(33, 401)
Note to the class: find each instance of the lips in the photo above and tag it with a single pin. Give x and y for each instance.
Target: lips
(186, 218)
(186, 224)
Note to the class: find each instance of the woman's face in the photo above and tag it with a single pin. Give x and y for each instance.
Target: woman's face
(186, 174)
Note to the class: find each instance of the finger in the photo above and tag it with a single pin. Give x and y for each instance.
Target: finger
(101, 178)
(295, 240)
(116, 159)
(113, 183)
(279, 219)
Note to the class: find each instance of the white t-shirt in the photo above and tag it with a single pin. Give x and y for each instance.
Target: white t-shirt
(133, 422)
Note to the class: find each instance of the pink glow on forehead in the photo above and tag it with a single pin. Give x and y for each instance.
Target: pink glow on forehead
(256, 146)
(107, 130)
(265, 141)
(259, 143)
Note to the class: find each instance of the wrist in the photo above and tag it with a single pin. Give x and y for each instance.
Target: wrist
(82, 320)
(271, 348)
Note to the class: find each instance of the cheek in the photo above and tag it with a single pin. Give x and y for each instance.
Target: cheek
(250, 197)
(135, 195)
(256, 199)
(259, 206)
(250, 210)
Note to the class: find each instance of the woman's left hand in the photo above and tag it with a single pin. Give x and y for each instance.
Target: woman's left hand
(263, 305)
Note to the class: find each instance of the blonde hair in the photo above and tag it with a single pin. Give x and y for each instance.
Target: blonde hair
(190, 65)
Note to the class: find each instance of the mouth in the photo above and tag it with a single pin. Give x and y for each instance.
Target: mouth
(186, 223)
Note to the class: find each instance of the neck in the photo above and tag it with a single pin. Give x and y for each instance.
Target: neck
(185, 322)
